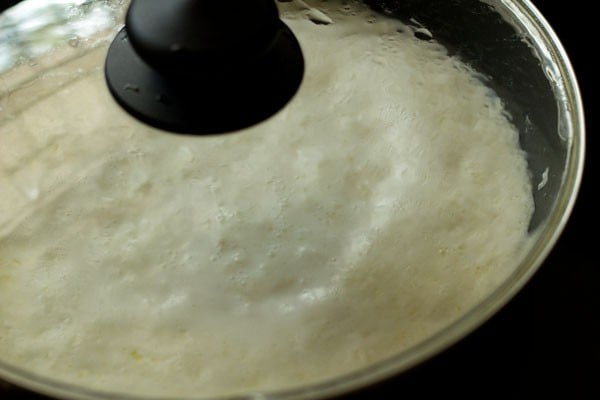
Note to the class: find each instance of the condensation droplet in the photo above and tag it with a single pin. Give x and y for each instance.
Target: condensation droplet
(319, 17)
(129, 87)
(423, 34)
(163, 99)
(74, 41)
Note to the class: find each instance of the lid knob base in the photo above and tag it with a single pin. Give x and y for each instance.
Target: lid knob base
(205, 85)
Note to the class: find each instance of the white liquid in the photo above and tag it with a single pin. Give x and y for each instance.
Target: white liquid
(386, 200)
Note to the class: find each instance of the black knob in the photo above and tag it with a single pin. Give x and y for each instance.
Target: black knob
(203, 67)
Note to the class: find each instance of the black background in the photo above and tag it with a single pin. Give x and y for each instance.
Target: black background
(547, 340)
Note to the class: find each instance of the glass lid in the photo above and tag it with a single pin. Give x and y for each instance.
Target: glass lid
(389, 208)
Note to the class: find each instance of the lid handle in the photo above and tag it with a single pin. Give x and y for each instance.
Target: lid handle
(203, 67)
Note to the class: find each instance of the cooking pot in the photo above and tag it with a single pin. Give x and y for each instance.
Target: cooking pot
(507, 42)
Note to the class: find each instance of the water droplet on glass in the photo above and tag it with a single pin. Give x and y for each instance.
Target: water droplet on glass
(319, 17)
(74, 41)
(163, 99)
(423, 34)
(131, 88)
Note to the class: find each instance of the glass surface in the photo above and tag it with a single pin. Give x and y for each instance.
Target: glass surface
(61, 40)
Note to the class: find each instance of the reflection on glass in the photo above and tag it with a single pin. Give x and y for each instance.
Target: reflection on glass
(34, 27)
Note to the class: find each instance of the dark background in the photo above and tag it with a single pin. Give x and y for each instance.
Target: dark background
(547, 340)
